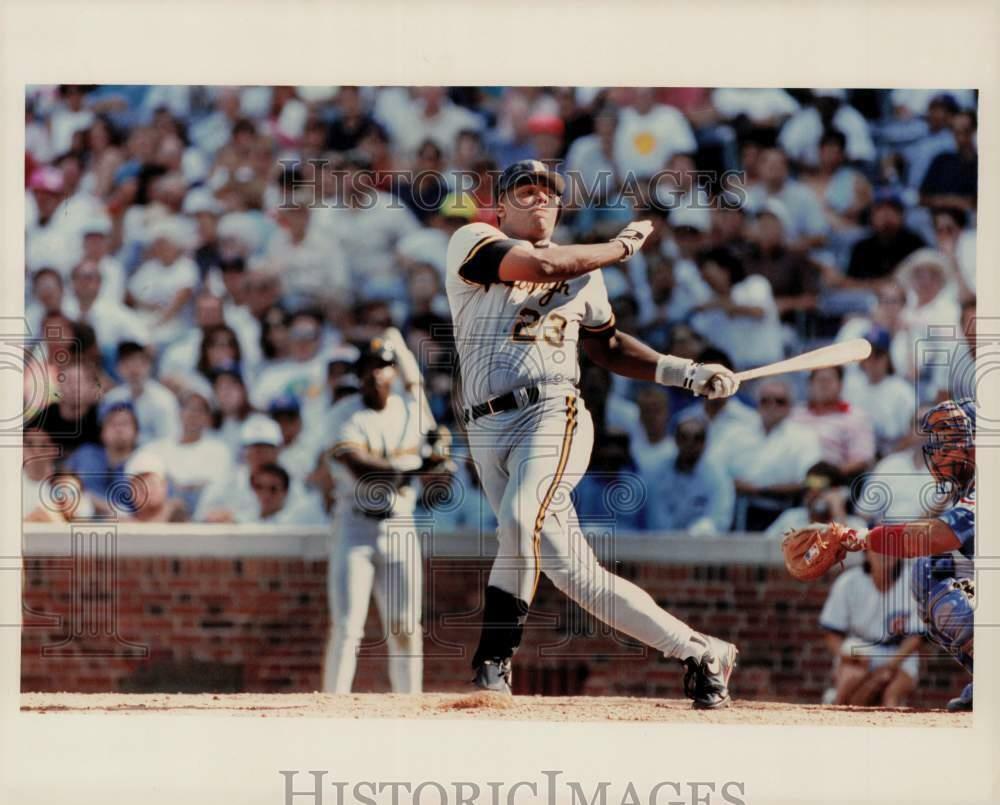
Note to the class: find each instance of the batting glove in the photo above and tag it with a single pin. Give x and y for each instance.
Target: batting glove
(633, 236)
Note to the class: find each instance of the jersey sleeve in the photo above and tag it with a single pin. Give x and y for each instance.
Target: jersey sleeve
(598, 317)
(475, 252)
(961, 519)
(346, 433)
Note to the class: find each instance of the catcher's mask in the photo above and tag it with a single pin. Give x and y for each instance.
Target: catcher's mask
(950, 449)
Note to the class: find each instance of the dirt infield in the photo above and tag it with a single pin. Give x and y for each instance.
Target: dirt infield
(456, 706)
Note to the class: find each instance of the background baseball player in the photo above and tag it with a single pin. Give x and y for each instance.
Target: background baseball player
(942, 582)
(379, 446)
(520, 305)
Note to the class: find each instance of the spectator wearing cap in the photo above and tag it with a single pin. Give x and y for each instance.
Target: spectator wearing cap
(952, 179)
(692, 492)
(741, 317)
(299, 454)
(152, 501)
(807, 226)
(795, 278)
(162, 287)
(113, 322)
(929, 279)
(313, 266)
(846, 434)
(824, 501)
(230, 493)
(888, 399)
(155, 405)
(937, 139)
(101, 467)
(302, 372)
(195, 457)
(874, 258)
(648, 134)
(768, 463)
(234, 407)
(800, 136)
(547, 133)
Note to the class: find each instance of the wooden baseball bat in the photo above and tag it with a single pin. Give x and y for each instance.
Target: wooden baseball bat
(857, 349)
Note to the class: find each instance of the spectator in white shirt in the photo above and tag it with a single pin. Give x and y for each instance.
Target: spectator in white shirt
(741, 318)
(299, 454)
(888, 315)
(876, 389)
(162, 287)
(872, 630)
(195, 457)
(303, 372)
(651, 443)
(271, 485)
(800, 136)
(648, 134)
(807, 225)
(155, 405)
(153, 503)
(431, 115)
(47, 295)
(368, 224)
(900, 488)
(112, 321)
(932, 293)
(70, 117)
(96, 234)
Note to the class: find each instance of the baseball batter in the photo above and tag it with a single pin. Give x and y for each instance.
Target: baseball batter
(521, 305)
(379, 440)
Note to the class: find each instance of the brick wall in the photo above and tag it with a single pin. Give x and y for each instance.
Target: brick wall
(259, 624)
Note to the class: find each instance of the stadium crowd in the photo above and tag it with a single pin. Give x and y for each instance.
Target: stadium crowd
(202, 262)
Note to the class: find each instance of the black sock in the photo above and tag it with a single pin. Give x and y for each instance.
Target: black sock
(503, 622)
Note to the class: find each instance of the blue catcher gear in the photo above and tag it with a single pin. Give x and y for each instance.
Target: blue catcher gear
(945, 604)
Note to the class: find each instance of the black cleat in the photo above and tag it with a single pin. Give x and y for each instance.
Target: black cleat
(963, 702)
(494, 675)
(707, 679)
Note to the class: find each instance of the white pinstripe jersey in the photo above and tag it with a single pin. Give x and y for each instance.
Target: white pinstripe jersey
(513, 334)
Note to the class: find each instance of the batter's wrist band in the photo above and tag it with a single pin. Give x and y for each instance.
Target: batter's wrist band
(674, 371)
(629, 250)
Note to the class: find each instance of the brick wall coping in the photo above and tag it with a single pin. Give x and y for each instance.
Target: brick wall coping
(245, 541)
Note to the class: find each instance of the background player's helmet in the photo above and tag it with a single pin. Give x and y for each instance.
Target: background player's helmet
(950, 450)
(377, 352)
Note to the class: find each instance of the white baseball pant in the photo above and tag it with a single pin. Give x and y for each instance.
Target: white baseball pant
(528, 461)
(373, 555)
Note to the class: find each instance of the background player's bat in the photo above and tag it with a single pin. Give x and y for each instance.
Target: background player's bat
(857, 349)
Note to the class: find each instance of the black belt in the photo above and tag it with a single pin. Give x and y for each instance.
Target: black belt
(518, 398)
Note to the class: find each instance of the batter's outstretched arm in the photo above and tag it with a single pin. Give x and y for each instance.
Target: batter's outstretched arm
(553, 263)
(626, 355)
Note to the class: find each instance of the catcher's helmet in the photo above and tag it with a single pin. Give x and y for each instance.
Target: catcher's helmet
(950, 449)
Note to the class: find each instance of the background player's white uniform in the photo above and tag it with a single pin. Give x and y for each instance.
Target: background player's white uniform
(509, 336)
(374, 552)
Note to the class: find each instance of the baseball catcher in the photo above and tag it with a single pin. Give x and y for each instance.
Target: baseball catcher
(942, 582)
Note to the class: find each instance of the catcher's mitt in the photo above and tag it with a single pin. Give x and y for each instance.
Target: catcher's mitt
(811, 551)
